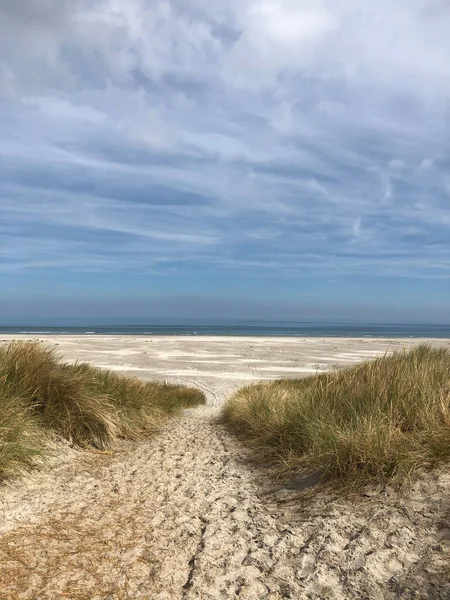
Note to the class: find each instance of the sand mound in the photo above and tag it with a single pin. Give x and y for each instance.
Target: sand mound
(185, 515)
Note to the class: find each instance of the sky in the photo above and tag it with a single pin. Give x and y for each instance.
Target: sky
(236, 158)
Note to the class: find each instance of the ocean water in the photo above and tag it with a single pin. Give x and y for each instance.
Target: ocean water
(246, 328)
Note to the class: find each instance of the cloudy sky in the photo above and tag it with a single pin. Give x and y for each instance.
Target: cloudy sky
(241, 157)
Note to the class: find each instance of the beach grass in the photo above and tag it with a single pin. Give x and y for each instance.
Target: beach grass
(139, 404)
(382, 419)
(42, 397)
(20, 439)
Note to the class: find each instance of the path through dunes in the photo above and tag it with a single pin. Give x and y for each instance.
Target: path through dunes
(183, 516)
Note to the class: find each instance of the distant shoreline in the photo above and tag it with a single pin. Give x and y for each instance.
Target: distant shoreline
(369, 331)
(220, 339)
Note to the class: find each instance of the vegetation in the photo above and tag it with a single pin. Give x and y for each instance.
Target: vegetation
(380, 419)
(41, 397)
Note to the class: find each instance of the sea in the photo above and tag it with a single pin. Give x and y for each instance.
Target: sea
(244, 328)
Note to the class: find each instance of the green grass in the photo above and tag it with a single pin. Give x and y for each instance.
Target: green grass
(381, 419)
(20, 440)
(139, 404)
(41, 397)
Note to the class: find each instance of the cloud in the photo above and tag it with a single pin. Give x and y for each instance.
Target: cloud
(396, 163)
(280, 136)
(426, 164)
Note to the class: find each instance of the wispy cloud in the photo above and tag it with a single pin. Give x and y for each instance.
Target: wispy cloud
(284, 135)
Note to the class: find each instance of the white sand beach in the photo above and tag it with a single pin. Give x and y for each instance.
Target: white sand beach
(187, 515)
(216, 364)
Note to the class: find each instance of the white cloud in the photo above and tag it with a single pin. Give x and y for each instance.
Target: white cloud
(396, 163)
(388, 192)
(426, 164)
(357, 228)
(290, 122)
(60, 109)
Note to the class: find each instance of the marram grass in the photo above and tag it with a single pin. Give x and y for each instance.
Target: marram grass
(385, 418)
(40, 397)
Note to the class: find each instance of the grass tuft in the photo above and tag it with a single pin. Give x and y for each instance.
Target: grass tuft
(59, 398)
(20, 442)
(381, 419)
(141, 405)
(40, 396)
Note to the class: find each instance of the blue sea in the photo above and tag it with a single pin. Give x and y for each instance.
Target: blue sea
(244, 328)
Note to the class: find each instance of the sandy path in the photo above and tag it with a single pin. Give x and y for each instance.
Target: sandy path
(183, 516)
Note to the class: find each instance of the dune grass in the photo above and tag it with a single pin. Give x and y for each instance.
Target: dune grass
(41, 397)
(381, 419)
(139, 404)
(20, 440)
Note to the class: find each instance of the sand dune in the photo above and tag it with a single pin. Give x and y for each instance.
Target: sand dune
(185, 515)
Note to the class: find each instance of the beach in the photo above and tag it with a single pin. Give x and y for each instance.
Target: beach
(188, 515)
(220, 364)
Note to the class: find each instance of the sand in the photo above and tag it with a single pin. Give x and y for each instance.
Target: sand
(187, 515)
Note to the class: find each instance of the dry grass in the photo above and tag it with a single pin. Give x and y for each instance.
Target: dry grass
(139, 404)
(40, 396)
(381, 419)
(71, 557)
(20, 441)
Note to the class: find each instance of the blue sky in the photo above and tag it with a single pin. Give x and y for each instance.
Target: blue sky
(230, 158)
